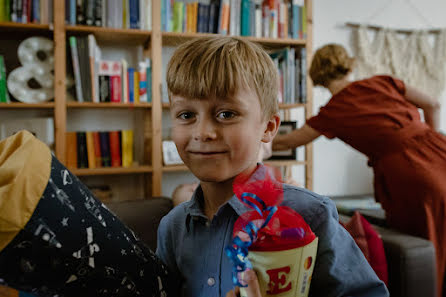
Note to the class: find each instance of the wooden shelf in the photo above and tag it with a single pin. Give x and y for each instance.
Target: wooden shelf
(291, 106)
(174, 168)
(110, 35)
(285, 162)
(111, 170)
(107, 105)
(12, 26)
(281, 105)
(174, 39)
(18, 105)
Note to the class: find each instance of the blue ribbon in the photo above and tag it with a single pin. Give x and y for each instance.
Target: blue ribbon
(238, 250)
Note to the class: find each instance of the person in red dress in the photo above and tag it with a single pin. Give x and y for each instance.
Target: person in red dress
(379, 117)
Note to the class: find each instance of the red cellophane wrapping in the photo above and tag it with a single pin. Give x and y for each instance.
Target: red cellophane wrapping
(286, 228)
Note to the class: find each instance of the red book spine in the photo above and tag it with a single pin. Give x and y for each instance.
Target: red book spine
(115, 148)
(116, 88)
(97, 149)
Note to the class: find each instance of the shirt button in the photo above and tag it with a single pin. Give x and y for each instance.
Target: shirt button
(211, 281)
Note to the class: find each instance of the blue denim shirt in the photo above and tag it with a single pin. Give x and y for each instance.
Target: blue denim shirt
(193, 247)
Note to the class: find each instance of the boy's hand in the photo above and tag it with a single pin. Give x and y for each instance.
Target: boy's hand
(253, 288)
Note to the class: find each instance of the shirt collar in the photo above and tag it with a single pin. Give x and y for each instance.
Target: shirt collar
(194, 207)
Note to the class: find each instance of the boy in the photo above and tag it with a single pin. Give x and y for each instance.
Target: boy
(223, 97)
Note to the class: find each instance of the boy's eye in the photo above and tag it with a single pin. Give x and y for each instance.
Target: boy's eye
(224, 115)
(186, 115)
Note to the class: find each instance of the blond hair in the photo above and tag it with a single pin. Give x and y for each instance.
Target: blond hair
(218, 67)
(330, 62)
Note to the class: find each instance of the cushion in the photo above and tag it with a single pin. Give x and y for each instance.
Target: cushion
(370, 243)
(59, 239)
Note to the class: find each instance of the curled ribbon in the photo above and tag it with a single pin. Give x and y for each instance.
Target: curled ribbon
(238, 250)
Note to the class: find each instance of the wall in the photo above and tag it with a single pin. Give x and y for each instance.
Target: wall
(338, 170)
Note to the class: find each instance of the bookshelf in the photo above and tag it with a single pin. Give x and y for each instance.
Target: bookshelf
(149, 173)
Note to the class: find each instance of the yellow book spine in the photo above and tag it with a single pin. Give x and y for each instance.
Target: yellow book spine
(136, 85)
(90, 150)
(127, 148)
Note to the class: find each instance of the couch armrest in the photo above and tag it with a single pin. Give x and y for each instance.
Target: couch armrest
(410, 261)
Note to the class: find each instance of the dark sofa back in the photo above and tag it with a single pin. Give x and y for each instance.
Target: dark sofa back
(142, 216)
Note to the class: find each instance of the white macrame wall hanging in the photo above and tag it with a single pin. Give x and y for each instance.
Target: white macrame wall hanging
(412, 58)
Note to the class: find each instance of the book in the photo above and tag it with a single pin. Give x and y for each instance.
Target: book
(4, 95)
(82, 154)
(97, 149)
(136, 86)
(127, 147)
(105, 149)
(94, 60)
(104, 88)
(90, 150)
(76, 68)
(71, 150)
(134, 21)
(142, 71)
(125, 82)
(131, 84)
(115, 148)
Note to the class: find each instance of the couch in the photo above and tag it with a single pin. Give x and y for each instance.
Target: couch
(411, 260)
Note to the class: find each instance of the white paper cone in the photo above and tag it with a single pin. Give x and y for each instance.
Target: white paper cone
(284, 273)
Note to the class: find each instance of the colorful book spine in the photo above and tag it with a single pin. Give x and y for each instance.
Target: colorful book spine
(71, 150)
(149, 80)
(131, 84)
(178, 15)
(223, 20)
(115, 148)
(82, 155)
(97, 149)
(127, 147)
(125, 82)
(245, 18)
(90, 150)
(105, 149)
(142, 71)
(134, 20)
(76, 68)
(4, 95)
(136, 86)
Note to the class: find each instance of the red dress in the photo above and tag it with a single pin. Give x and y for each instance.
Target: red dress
(407, 156)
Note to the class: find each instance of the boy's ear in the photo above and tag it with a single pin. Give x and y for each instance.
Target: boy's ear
(272, 126)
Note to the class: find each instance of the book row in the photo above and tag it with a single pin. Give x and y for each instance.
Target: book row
(267, 18)
(98, 80)
(26, 11)
(292, 66)
(124, 14)
(93, 149)
(4, 95)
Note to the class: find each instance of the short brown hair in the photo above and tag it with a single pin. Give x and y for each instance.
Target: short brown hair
(217, 67)
(330, 62)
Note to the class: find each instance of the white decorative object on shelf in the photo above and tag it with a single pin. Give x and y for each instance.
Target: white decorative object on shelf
(33, 82)
(170, 153)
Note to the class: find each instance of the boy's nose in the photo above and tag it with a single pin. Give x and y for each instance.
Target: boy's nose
(204, 130)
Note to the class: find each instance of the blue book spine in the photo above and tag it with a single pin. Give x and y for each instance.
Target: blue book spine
(105, 148)
(245, 18)
(134, 14)
(296, 21)
(131, 79)
(36, 11)
(72, 18)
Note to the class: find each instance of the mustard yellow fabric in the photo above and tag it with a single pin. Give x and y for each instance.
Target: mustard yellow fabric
(25, 167)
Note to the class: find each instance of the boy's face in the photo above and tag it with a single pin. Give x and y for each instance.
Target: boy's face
(218, 139)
